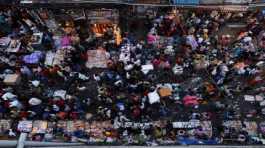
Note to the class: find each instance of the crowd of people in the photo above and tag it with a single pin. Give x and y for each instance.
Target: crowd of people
(191, 80)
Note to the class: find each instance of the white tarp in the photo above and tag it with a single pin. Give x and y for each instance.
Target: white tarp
(60, 93)
(249, 98)
(153, 97)
(147, 68)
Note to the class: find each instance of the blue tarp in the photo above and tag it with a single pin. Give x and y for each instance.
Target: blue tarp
(33, 58)
(188, 141)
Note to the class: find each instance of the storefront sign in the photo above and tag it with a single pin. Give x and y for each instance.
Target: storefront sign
(136, 125)
(191, 124)
(24, 126)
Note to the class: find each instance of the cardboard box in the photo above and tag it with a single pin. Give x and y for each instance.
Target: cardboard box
(12, 79)
(164, 92)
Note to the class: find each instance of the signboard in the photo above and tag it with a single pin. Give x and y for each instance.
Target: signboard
(24, 126)
(75, 125)
(136, 125)
(190, 124)
(139, 125)
(45, 127)
(50, 127)
(236, 124)
(251, 127)
(206, 127)
(5, 125)
(39, 127)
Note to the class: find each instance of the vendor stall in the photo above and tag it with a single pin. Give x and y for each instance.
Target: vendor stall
(105, 22)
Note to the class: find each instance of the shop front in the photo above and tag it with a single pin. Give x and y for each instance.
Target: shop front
(104, 22)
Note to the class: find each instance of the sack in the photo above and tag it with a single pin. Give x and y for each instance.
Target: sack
(164, 92)
(12, 79)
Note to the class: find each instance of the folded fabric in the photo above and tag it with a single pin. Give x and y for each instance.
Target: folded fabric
(8, 96)
(153, 97)
(16, 104)
(60, 93)
(190, 100)
(34, 101)
(33, 58)
(192, 42)
(151, 39)
(65, 41)
(35, 83)
(146, 68)
(177, 70)
(121, 106)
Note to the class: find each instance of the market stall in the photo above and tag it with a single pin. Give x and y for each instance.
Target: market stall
(105, 22)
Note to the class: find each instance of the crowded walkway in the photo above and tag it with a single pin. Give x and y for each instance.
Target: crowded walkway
(188, 81)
